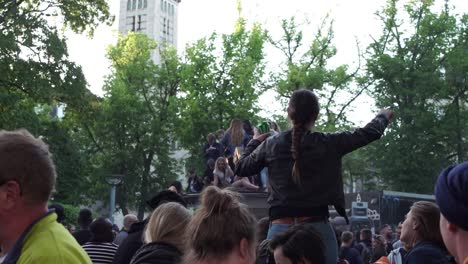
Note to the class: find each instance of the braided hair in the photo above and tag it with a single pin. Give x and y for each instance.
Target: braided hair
(302, 110)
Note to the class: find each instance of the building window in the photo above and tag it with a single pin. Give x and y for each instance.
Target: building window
(165, 7)
(129, 5)
(164, 26)
(139, 23)
(134, 6)
(162, 5)
(168, 23)
(145, 3)
(133, 23)
(140, 4)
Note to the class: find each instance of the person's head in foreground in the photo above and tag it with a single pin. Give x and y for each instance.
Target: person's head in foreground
(27, 178)
(300, 244)
(168, 224)
(451, 193)
(222, 230)
(164, 235)
(421, 224)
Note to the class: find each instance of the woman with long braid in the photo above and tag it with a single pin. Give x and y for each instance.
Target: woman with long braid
(305, 168)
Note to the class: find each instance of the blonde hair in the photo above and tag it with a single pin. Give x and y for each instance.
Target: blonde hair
(427, 214)
(216, 168)
(168, 224)
(237, 132)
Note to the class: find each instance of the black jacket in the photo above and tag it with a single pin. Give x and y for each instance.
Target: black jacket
(83, 236)
(215, 152)
(320, 167)
(197, 184)
(427, 253)
(351, 255)
(157, 252)
(131, 244)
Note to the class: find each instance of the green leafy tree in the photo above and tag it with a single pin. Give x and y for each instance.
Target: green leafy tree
(455, 97)
(37, 76)
(219, 84)
(132, 130)
(33, 59)
(306, 66)
(407, 64)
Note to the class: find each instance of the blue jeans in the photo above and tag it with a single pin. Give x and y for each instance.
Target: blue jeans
(264, 176)
(325, 231)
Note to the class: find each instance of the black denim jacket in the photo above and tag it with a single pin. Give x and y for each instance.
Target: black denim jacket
(320, 165)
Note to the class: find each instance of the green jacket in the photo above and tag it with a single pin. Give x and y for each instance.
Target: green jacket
(47, 241)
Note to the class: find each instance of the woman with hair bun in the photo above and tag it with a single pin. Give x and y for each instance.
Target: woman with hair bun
(222, 230)
(304, 168)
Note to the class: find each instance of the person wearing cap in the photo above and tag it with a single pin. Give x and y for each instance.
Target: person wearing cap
(451, 192)
(134, 240)
(176, 187)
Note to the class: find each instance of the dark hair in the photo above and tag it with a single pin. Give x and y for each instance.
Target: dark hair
(262, 229)
(380, 239)
(27, 161)
(210, 162)
(346, 237)
(303, 108)
(177, 185)
(85, 217)
(383, 227)
(300, 242)
(248, 127)
(366, 233)
(101, 229)
(210, 135)
(427, 214)
(218, 226)
(59, 210)
(165, 196)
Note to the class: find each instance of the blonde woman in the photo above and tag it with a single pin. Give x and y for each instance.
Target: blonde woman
(235, 137)
(224, 177)
(164, 235)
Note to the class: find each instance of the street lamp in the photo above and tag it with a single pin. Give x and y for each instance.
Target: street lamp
(113, 180)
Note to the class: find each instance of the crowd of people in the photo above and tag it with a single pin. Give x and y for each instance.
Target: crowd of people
(221, 153)
(303, 178)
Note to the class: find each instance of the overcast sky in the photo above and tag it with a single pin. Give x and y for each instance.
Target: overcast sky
(199, 18)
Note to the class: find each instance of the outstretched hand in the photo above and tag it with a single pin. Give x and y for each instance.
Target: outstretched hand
(387, 112)
(259, 137)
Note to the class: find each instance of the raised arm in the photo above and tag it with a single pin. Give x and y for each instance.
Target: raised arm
(252, 160)
(349, 141)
